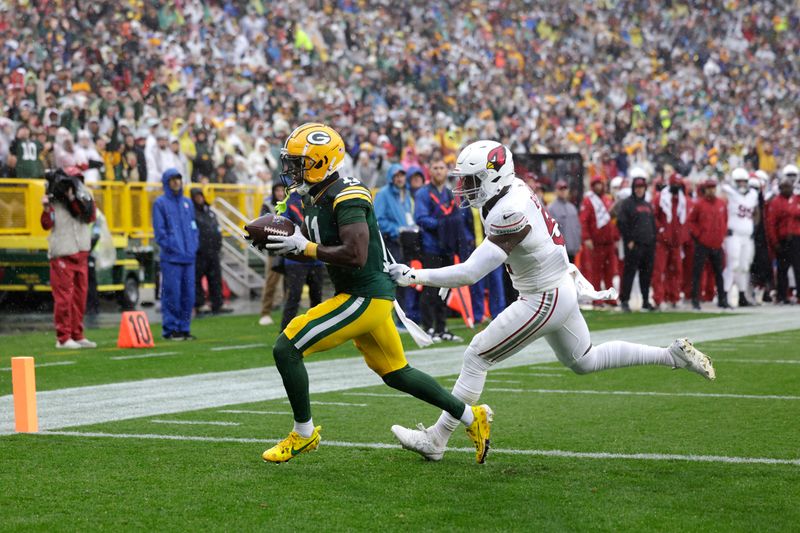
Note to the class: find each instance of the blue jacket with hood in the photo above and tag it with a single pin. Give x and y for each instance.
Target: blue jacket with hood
(390, 210)
(174, 225)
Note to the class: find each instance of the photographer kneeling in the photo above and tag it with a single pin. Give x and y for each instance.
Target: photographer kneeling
(69, 211)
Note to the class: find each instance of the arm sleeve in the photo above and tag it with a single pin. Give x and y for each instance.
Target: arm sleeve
(486, 257)
(48, 218)
(352, 212)
(506, 223)
(159, 228)
(586, 223)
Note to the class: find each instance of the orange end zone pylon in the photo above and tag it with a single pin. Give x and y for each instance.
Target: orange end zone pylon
(23, 380)
(134, 331)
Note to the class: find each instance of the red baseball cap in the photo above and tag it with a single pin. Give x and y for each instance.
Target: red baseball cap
(596, 179)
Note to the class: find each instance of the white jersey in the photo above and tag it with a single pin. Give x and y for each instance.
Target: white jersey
(539, 262)
(741, 208)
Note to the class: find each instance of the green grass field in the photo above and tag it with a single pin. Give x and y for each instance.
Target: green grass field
(161, 473)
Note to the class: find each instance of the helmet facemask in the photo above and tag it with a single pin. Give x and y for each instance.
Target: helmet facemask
(469, 188)
(293, 171)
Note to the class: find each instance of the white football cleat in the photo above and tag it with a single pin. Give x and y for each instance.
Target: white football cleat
(419, 440)
(687, 356)
(68, 344)
(265, 320)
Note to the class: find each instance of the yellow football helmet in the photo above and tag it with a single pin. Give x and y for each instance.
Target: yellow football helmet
(312, 152)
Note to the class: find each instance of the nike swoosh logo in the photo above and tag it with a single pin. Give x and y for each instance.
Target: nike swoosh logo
(506, 217)
(298, 450)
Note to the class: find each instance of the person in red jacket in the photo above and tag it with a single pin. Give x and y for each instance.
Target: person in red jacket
(671, 211)
(600, 234)
(708, 225)
(783, 232)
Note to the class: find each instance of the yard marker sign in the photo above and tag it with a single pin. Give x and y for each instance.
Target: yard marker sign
(134, 331)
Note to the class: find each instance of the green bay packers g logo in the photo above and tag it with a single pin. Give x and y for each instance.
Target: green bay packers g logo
(318, 137)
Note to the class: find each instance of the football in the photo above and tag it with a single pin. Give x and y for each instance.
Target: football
(259, 229)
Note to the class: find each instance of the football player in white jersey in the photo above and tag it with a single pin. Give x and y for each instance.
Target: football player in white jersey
(743, 214)
(521, 234)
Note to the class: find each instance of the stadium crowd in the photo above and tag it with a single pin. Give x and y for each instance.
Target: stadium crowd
(213, 88)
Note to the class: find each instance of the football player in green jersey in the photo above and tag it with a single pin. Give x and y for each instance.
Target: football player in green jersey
(341, 230)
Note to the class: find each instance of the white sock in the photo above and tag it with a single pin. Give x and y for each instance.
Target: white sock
(304, 429)
(618, 354)
(468, 389)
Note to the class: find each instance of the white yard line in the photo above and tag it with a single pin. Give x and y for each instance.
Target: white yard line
(239, 347)
(140, 356)
(195, 422)
(155, 397)
(253, 412)
(649, 393)
(759, 361)
(54, 363)
(509, 451)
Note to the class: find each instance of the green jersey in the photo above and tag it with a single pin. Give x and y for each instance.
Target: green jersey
(29, 164)
(338, 202)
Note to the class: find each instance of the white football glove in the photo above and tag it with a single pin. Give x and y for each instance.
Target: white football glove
(292, 244)
(402, 274)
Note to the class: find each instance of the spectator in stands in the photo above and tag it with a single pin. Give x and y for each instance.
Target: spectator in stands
(566, 214)
(275, 268)
(708, 224)
(175, 231)
(207, 263)
(25, 155)
(297, 274)
(600, 235)
(638, 228)
(442, 226)
(671, 211)
(69, 212)
(202, 165)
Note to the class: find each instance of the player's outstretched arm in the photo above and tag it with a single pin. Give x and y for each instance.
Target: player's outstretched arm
(489, 255)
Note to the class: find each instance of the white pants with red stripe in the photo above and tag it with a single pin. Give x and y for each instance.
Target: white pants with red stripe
(554, 315)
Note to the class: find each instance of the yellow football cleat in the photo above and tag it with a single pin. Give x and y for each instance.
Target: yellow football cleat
(291, 446)
(480, 430)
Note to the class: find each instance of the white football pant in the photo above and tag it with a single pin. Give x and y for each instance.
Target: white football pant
(739, 253)
(554, 315)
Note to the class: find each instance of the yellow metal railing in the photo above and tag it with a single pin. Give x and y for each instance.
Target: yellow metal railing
(21, 207)
(127, 207)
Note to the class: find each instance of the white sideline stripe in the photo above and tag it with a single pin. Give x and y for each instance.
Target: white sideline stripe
(239, 347)
(141, 356)
(509, 451)
(195, 422)
(54, 363)
(249, 412)
(544, 375)
(378, 394)
(759, 361)
(651, 393)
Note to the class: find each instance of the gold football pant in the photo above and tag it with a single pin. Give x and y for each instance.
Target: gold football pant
(367, 321)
